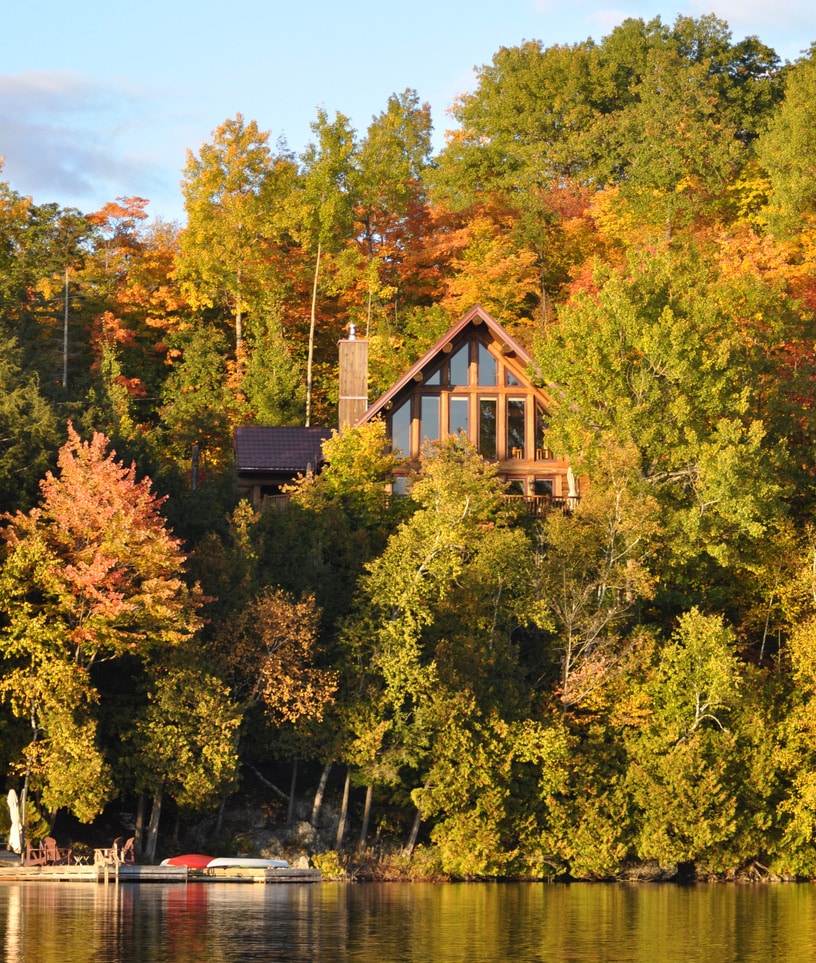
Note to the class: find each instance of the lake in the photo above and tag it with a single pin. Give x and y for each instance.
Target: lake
(412, 922)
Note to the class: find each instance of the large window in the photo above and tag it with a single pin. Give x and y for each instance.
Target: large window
(515, 428)
(429, 419)
(487, 427)
(401, 429)
(459, 415)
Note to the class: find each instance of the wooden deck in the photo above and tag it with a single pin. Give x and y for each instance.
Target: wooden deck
(237, 874)
(11, 872)
(93, 874)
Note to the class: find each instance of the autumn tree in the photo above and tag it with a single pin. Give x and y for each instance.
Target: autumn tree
(129, 283)
(89, 575)
(391, 213)
(322, 210)
(273, 649)
(228, 192)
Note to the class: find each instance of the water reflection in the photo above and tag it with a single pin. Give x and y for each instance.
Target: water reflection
(416, 923)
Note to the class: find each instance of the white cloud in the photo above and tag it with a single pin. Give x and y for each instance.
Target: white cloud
(60, 135)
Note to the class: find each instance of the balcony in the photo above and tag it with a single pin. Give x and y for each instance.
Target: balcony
(540, 505)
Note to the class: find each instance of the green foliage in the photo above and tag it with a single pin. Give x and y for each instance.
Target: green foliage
(28, 430)
(786, 151)
(698, 677)
(272, 382)
(198, 406)
(186, 737)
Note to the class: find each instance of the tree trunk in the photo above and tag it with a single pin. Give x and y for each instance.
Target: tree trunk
(239, 319)
(341, 825)
(409, 847)
(65, 336)
(366, 817)
(321, 788)
(139, 830)
(153, 826)
(290, 809)
(311, 339)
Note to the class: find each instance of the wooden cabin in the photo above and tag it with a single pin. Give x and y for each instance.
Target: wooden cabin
(476, 380)
(269, 459)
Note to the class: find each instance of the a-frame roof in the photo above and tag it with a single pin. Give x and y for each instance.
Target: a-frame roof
(476, 315)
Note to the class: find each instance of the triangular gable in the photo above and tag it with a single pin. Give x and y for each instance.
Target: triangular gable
(435, 355)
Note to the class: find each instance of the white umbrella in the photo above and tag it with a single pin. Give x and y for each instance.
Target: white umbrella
(15, 839)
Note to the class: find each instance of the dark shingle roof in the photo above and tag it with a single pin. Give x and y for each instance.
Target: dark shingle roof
(278, 449)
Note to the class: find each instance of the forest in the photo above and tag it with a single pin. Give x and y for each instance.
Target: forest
(632, 684)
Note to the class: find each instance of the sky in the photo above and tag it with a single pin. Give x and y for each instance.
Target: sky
(102, 99)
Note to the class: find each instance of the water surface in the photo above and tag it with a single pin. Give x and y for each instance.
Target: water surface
(412, 922)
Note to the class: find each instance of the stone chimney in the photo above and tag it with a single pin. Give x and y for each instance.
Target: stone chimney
(353, 379)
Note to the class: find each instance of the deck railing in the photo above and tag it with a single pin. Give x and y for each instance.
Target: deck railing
(538, 505)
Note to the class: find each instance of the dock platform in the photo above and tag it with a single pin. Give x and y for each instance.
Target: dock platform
(130, 873)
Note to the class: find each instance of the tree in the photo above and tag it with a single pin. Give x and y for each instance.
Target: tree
(434, 621)
(681, 390)
(228, 198)
(272, 653)
(786, 151)
(89, 575)
(685, 770)
(198, 407)
(391, 212)
(324, 206)
(28, 430)
(592, 573)
(184, 741)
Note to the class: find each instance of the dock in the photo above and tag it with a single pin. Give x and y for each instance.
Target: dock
(131, 873)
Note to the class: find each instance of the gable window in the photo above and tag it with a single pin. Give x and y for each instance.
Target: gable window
(510, 379)
(429, 418)
(459, 367)
(487, 427)
(487, 368)
(401, 429)
(515, 428)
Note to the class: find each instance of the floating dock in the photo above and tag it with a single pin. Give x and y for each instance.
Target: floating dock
(130, 873)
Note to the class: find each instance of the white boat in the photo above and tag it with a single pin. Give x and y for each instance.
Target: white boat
(199, 861)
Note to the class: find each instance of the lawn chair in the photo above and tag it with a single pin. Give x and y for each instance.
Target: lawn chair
(54, 856)
(34, 855)
(127, 853)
